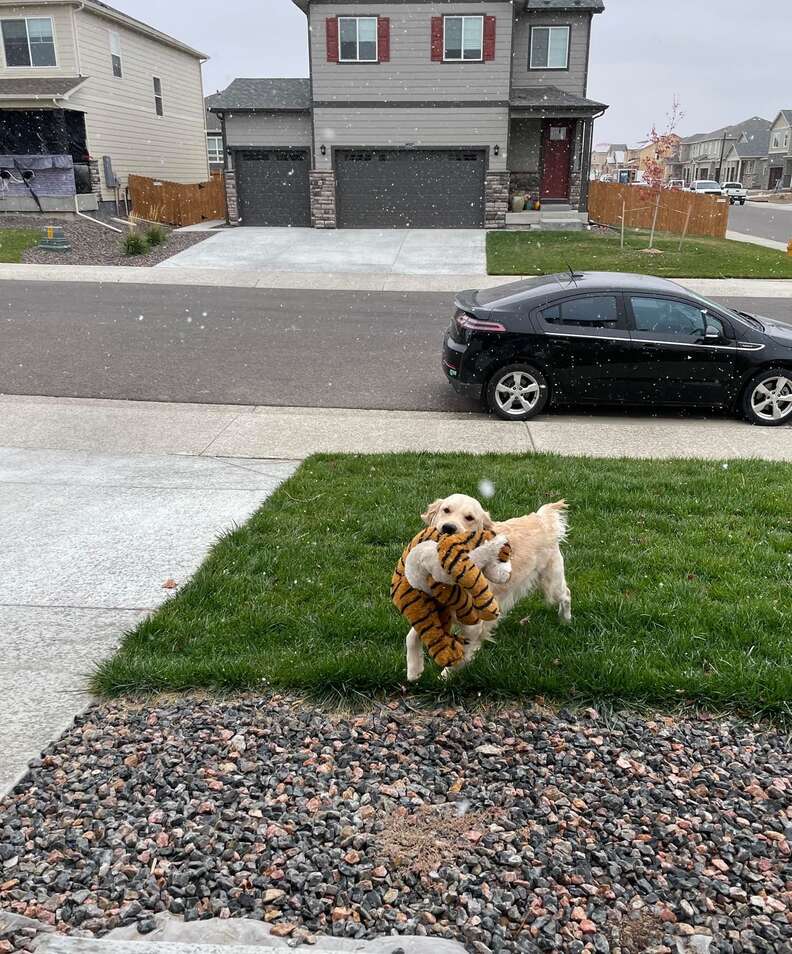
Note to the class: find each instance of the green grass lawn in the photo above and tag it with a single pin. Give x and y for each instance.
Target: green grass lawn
(681, 576)
(543, 253)
(13, 243)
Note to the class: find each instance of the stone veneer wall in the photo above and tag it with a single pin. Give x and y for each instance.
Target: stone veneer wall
(323, 199)
(96, 180)
(578, 164)
(496, 199)
(232, 205)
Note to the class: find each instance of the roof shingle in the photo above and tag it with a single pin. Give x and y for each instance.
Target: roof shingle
(263, 94)
(551, 97)
(43, 87)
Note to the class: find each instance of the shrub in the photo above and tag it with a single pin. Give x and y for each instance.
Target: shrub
(135, 244)
(156, 235)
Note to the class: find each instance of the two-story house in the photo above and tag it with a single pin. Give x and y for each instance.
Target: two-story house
(779, 153)
(89, 95)
(705, 155)
(420, 113)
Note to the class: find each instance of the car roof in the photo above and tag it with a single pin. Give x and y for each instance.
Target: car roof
(547, 286)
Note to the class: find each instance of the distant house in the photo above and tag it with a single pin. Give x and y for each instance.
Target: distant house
(704, 156)
(88, 96)
(214, 136)
(610, 161)
(780, 151)
(747, 161)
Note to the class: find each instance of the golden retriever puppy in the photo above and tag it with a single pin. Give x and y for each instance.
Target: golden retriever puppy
(536, 558)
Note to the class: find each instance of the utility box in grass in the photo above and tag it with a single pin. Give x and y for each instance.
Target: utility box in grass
(55, 240)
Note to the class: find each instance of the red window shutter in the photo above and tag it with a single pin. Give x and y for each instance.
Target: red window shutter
(437, 39)
(383, 39)
(489, 38)
(331, 30)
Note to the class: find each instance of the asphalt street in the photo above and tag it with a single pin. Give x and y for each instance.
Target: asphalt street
(756, 218)
(235, 345)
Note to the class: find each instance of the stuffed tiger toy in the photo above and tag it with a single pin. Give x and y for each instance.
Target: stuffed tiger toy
(431, 605)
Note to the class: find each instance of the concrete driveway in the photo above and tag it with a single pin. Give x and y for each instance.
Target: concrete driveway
(388, 251)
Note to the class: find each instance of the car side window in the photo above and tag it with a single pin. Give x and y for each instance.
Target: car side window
(591, 311)
(670, 317)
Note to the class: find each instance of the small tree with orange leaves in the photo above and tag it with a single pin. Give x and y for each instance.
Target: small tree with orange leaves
(665, 144)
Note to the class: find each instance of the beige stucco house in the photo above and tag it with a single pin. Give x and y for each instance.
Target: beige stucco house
(86, 87)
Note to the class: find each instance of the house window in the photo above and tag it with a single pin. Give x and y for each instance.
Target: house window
(115, 53)
(463, 38)
(215, 147)
(29, 42)
(158, 96)
(777, 141)
(549, 48)
(357, 39)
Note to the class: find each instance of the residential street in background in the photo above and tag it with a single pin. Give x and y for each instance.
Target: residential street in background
(307, 348)
(765, 220)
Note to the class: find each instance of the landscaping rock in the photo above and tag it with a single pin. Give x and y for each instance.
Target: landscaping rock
(582, 833)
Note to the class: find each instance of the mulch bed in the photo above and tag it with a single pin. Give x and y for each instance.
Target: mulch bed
(533, 831)
(93, 244)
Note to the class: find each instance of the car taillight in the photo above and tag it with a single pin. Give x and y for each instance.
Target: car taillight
(469, 323)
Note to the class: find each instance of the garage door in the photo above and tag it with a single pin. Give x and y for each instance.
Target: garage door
(419, 188)
(272, 186)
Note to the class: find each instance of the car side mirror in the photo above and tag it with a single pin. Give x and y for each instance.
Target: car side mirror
(710, 330)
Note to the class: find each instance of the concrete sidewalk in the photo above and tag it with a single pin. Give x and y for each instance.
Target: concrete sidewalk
(756, 240)
(284, 433)
(343, 281)
(88, 541)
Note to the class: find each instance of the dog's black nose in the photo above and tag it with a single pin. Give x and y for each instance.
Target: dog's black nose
(449, 528)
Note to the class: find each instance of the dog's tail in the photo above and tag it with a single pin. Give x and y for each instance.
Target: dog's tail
(554, 517)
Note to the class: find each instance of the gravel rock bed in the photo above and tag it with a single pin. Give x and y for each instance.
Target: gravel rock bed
(507, 830)
(93, 244)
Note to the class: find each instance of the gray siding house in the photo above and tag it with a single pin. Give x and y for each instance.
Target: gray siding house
(708, 155)
(780, 151)
(418, 113)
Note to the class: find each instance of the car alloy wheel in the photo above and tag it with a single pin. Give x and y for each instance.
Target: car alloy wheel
(771, 398)
(517, 393)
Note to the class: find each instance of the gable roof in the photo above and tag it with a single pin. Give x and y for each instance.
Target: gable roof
(751, 127)
(756, 144)
(595, 6)
(253, 94)
(105, 10)
(786, 115)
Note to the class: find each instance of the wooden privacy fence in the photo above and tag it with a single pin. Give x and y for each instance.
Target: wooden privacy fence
(178, 203)
(680, 213)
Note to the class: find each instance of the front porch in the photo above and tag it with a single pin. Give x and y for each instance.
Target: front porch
(549, 157)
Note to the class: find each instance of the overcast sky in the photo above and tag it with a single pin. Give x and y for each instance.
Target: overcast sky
(726, 61)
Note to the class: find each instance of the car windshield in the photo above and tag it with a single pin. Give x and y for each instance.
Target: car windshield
(733, 185)
(707, 184)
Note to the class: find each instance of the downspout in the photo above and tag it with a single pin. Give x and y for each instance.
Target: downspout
(92, 219)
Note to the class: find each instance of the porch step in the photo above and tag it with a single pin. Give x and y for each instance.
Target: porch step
(549, 218)
(555, 224)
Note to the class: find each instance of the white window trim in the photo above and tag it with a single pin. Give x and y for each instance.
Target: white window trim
(30, 52)
(550, 26)
(463, 58)
(219, 138)
(357, 59)
(115, 50)
(158, 96)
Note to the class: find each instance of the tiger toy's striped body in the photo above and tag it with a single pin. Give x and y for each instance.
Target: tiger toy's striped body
(432, 605)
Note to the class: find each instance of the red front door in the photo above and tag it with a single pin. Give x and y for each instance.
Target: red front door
(556, 159)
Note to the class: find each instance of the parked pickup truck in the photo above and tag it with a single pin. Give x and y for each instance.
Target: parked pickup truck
(706, 187)
(734, 192)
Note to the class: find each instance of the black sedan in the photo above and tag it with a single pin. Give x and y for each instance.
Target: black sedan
(610, 338)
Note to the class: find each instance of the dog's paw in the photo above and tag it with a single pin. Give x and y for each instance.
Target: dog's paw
(499, 572)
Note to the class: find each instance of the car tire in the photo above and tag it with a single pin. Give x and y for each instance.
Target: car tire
(760, 400)
(517, 392)
(742, 201)
(731, 201)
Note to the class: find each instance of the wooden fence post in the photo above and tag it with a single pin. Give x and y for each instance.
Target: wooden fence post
(623, 217)
(687, 225)
(654, 220)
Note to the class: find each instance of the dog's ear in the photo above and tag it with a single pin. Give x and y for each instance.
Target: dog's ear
(487, 519)
(431, 512)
